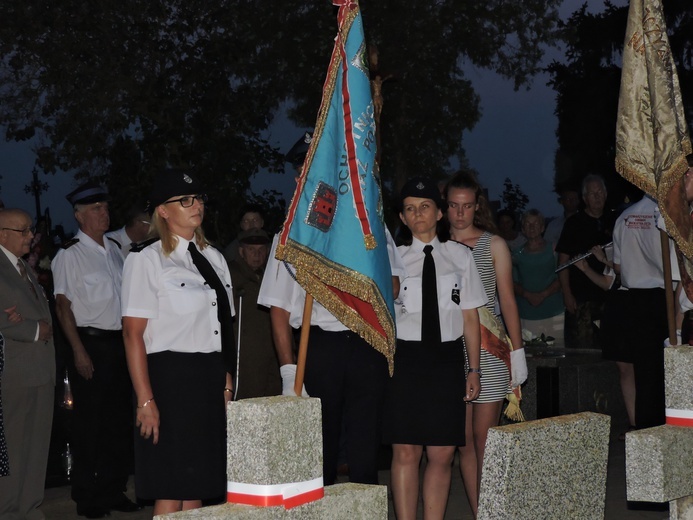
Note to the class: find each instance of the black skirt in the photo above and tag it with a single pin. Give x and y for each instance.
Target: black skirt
(425, 397)
(189, 461)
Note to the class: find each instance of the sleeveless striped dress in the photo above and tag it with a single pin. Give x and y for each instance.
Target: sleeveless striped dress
(495, 377)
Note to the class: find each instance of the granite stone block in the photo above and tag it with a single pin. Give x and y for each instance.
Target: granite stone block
(678, 377)
(681, 509)
(274, 440)
(549, 468)
(341, 502)
(659, 464)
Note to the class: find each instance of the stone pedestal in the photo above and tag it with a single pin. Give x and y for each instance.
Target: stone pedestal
(341, 502)
(659, 464)
(659, 461)
(274, 440)
(678, 380)
(274, 450)
(681, 509)
(548, 468)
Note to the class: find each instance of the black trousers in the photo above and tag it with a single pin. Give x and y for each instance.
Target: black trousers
(646, 331)
(349, 376)
(102, 423)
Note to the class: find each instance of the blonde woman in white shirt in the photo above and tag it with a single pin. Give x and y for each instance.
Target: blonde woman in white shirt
(175, 323)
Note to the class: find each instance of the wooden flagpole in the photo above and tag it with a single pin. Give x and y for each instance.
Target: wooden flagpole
(668, 287)
(303, 345)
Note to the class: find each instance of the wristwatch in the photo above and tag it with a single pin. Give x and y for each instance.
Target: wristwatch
(474, 371)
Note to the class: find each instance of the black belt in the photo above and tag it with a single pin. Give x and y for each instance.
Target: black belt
(93, 331)
(317, 328)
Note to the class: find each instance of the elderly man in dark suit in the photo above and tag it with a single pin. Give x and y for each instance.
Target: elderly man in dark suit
(28, 379)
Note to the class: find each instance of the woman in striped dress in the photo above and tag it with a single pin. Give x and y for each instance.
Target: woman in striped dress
(471, 224)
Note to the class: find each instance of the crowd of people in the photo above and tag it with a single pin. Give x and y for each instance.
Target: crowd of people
(164, 329)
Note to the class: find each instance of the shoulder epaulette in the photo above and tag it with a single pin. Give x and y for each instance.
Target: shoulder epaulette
(70, 243)
(115, 242)
(141, 245)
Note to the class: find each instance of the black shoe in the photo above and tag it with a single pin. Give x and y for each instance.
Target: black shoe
(125, 505)
(92, 511)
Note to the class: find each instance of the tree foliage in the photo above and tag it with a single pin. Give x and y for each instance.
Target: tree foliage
(117, 90)
(514, 199)
(588, 84)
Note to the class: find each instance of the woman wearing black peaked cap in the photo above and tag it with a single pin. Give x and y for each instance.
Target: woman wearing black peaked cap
(177, 313)
(436, 306)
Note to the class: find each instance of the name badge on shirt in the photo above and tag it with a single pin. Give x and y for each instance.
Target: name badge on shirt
(455, 296)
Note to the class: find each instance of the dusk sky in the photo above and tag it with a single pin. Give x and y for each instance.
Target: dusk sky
(515, 138)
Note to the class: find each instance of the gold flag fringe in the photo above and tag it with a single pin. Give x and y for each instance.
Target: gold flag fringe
(315, 273)
(669, 195)
(370, 242)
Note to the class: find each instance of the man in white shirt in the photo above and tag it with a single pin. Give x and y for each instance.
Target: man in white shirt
(638, 258)
(133, 232)
(87, 275)
(342, 369)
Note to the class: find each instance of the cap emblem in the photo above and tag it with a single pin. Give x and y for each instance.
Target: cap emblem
(420, 186)
(187, 178)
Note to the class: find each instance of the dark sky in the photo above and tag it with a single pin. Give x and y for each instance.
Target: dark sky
(515, 138)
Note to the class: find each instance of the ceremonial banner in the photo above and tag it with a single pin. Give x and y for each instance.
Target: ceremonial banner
(652, 138)
(334, 233)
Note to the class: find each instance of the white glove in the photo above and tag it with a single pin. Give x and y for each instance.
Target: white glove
(668, 343)
(518, 367)
(288, 373)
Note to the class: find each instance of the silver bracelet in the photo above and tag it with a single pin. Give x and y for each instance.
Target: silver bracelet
(146, 403)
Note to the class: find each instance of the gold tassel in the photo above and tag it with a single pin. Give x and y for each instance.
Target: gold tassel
(513, 410)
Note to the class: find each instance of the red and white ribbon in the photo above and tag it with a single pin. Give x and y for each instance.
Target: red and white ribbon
(289, 495)
(679, 417)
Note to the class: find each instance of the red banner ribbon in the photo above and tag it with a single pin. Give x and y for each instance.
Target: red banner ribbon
(289, 495)
(679, 417)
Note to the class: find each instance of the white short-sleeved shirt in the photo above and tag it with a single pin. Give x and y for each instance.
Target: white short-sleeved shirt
(638, 249)
(280, 289)
(171, 293)
(121, 236)
(458, 283)
(89, 275)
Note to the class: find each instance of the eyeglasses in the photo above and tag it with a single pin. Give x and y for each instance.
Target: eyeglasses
(186, 202)
(24, 232)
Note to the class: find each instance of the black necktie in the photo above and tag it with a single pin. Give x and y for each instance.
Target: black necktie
(223, 306)
(430, 319)
(25, 276)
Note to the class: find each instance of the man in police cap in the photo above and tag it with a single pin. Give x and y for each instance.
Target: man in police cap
(258, 364)
(297, 154)
(87, 275)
